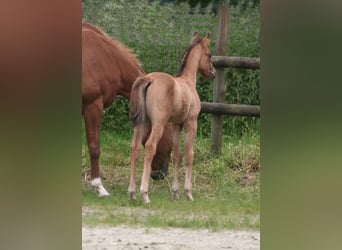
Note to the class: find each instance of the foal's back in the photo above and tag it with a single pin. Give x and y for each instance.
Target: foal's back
(171, 99)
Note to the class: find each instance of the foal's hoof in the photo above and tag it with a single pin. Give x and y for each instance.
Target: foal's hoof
(189, 195)
(145, 198)
(175, 194)
(132, 196)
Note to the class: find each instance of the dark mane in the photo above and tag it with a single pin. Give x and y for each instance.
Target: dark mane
(185, 57)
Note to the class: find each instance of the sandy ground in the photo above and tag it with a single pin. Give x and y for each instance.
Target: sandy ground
(124, 237)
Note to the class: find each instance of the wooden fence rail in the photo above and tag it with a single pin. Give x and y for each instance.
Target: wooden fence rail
(230, 109)
(233, 109)
(236, 62)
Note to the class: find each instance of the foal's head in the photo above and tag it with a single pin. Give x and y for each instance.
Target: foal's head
(206, 67)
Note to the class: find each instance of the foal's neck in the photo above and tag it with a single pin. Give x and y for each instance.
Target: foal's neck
(191, 66)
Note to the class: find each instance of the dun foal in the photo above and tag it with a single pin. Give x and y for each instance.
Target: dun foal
(158, 98)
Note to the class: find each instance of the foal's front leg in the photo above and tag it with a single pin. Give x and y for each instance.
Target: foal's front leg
(134, 156)
(190, 129)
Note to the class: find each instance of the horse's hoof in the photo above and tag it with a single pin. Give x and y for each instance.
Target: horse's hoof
(189, 196)
(175, 194)
(97, 185)
(132, 196)
(145, 198)
(103, 193)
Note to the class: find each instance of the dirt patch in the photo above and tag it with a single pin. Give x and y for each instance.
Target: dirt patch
(124, 237)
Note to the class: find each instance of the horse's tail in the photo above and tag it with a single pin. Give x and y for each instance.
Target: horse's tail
(137, 112)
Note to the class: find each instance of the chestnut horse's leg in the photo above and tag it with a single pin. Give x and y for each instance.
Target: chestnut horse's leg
(177, 158)
(92, 116)
(150, 151)
(134, 156)
(190, 129)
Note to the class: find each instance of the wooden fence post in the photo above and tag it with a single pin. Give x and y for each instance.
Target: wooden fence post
(219, 82)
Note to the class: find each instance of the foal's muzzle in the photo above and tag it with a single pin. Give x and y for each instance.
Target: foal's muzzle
(212, 74)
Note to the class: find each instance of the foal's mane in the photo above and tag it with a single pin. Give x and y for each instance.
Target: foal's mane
(186, 56)
(113, 42)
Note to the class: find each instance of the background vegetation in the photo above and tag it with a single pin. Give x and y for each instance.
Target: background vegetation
(159, 35)
(226, 188)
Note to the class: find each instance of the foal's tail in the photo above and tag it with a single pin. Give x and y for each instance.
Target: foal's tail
(137, 112)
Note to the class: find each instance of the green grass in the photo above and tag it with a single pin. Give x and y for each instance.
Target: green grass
(225, 188)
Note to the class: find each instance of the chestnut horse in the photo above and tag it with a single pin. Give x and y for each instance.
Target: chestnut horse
(109, 69)
(158, 98)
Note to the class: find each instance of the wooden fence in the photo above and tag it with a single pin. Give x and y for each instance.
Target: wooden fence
(218, 107)
(236, 62)
(233, 109)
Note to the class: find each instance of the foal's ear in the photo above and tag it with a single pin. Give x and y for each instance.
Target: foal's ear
(206, 40)
(194, 37)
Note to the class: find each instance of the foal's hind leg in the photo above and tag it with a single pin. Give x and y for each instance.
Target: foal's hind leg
(177, 158)
(150, 151)
(92, 117)
(190, 129)
(134, 156)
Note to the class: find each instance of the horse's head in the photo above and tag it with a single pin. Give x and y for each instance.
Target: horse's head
(206, 67)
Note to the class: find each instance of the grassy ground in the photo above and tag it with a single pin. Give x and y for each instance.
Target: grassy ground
(225, 188)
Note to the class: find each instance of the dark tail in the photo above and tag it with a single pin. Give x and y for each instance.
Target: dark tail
(137, 112)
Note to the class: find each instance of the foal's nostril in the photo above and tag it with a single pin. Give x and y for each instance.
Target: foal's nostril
(212, 74)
